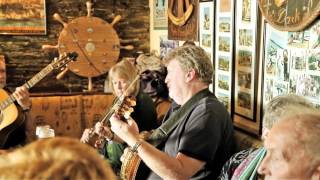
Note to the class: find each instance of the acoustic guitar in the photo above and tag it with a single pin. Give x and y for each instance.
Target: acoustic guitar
(9, 111)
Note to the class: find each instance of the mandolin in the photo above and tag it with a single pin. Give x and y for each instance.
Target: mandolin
(122, 106)
(9, 111)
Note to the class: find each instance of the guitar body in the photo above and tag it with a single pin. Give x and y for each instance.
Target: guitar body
(9, 114)
(9, 111)
(8, 119)
(133, 167)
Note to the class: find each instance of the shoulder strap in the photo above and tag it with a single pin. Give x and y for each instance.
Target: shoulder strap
(161, 133)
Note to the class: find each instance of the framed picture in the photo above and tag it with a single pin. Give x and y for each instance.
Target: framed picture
(160, 18)
(23, 17)
(206, 21)
(246, 66)
(288, 69)
(223, 60)
(166, 45)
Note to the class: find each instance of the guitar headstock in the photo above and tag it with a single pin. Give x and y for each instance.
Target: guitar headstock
(64, 59)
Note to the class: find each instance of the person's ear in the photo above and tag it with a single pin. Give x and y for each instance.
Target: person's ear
(265, 133)
(190, 75)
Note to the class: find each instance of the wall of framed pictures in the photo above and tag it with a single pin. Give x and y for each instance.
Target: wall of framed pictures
(224, 33)
(236, 61)
(254, 62)
(206, 27)
(246, 66)
(291, 63)
(206, 22)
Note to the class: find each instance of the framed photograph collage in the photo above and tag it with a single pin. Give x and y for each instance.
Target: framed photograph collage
(291, 63)
(206, 27)
(224, 33)
(206, 20)
(246, 66)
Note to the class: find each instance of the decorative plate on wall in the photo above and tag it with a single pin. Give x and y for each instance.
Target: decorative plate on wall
(290, 15)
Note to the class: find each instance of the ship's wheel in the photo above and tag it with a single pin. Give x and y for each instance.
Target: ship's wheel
(94, 39)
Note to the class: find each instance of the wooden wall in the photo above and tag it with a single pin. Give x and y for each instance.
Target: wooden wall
(25, 57)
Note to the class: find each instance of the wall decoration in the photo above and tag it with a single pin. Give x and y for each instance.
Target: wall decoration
(160, 17)
(291, 15)
(246, 66)
(185, 25)
(291, 69)
(23, 17)
(90, 37)
(166, 45)
(206, 27)
(223, 60)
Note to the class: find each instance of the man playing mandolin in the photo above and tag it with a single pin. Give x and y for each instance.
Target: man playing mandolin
(201, 138)
(14, 133)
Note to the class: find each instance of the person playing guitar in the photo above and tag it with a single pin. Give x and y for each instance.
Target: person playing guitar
(196, 138)
(122, 81)
(13, 134)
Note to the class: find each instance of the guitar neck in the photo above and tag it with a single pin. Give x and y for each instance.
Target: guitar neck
(34, 80)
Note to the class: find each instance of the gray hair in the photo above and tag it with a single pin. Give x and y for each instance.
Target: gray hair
(306, 133)
(284, 105)
(192, 57)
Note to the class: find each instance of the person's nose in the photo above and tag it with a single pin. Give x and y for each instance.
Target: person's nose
(119, 85)
(263, 167)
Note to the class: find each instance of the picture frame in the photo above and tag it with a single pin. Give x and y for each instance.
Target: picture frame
(206, 22)
(223, 60)
(246, 67)
(166, 45)
(160, 17)
(23, 17)
(287, 69)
